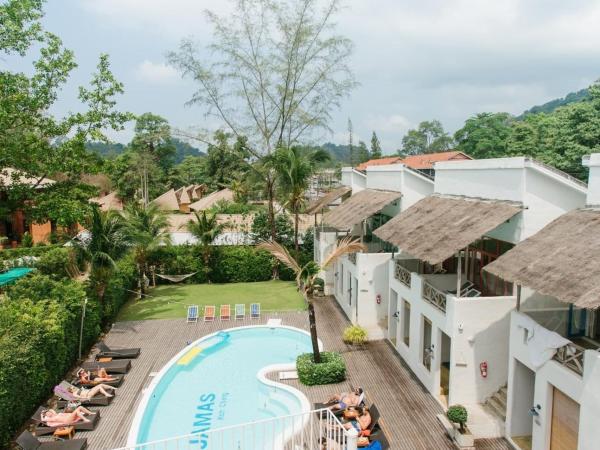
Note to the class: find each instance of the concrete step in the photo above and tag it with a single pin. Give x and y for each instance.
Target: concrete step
(496, 408)
(501, 399)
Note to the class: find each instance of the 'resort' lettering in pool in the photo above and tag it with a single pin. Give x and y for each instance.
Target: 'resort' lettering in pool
(213, 384)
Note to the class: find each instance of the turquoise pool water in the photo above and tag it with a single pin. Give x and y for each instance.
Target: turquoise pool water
(13, 274)
(214, 384)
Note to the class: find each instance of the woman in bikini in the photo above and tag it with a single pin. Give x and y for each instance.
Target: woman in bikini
(86, 377)
(55, 419)
(85, 394)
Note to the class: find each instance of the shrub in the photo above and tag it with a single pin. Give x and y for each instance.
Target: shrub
(121, 285)
(14, 253)
(355, 334)
(27, 240)
(332, 369)
(457, 414)
(235, 264)
(56, 263)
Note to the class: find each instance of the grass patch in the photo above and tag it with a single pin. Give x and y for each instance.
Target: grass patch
(171, 301)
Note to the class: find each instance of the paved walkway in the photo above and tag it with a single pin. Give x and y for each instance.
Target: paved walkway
(408, 411)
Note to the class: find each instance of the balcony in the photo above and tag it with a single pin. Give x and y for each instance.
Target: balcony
(571, 356)
(401, 273)
(434, 296)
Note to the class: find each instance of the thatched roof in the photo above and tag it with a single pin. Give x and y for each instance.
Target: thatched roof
(561, 260)
(108, 202)
(10, 176)
(327, 199)
(435, 228)
(359, 207)
(167, 201)
(211, 199)
(184, 198)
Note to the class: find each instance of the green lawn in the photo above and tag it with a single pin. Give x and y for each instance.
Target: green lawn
(171, 301)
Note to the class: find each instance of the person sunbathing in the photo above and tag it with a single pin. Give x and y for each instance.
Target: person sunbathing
(362, 422)
(54, 419)
(346, 399)
(85, 394)
(87, 377)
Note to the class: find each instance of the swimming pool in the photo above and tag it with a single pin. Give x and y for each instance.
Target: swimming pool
(218, 381)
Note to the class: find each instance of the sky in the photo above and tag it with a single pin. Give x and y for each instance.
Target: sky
(414, 60)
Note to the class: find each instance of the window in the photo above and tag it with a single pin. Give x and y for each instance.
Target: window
(406, 322)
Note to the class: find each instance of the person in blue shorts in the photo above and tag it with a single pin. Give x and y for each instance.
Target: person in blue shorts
(346, 399)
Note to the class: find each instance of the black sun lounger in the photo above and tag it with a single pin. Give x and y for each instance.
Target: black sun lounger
(118, 381)
(62, 392)
(27, 441)
(116, 353)
(41, 429)
(117, 366)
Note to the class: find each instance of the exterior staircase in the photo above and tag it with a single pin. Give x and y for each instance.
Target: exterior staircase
(496, 404)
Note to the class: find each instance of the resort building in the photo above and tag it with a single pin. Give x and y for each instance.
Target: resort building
(423, 163)
(554, 364)
(448, 318)
(359, 282)
(184, 198)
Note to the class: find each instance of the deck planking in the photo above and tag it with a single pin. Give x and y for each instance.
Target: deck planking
(408, 411)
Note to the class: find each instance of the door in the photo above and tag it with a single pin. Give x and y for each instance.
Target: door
(393, 317)
(565, 422)
(427, 350)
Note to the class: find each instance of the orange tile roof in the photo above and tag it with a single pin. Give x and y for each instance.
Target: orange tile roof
(426, 161)
(379, 162)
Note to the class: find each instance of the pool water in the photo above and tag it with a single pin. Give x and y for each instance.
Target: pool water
(214, 384)
(13, 274)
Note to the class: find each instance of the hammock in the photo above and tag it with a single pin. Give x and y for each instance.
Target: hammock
(176, 278)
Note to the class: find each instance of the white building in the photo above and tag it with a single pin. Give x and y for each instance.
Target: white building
(554, 364)
(359, 282)
(447, 317)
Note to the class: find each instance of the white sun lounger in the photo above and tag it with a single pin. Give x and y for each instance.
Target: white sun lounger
(240, 311)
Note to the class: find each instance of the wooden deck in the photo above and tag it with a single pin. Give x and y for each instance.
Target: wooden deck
(408, 411)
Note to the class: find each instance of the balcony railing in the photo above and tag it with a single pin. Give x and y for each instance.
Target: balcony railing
(434, 296)
(571, 356)
(352, 258)
(402, 274)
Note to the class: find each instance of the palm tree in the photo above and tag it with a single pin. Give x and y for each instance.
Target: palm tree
(306, 276)
(106, 244)
(146, 228)
(294, 167)
(206, 228)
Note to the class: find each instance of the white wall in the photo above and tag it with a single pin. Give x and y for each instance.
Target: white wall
(353, 179)
(593, 195)
(325, 241)
(583, 390)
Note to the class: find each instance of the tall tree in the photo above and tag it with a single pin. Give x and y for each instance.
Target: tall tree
(278, 70)
(484, 135)
(146, 228)
(205, 228)
(32, 139)
(306, 276)
(375, 147)
(429, 137)
(294, 167)
(362, 153)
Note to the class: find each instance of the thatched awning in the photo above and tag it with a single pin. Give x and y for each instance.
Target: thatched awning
(561, 260)
(359, 207)
(327, 199)
(435, 228)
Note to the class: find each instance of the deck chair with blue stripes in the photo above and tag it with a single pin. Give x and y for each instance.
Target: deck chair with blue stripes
(240, 311)
(192, 313)
(255, 311)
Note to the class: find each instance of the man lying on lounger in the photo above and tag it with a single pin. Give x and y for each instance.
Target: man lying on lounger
(54, 419)
(87, 377)
(346, 399)
(85, 394)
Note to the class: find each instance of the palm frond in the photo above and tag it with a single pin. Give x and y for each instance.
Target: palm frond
(281, 253)
(345, 245)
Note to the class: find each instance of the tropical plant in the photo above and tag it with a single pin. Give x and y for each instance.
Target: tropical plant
(294, 168)
(458, 414)
(146, 228)
(205, 228)
(306, 276)
(355, 334)
(107, 243)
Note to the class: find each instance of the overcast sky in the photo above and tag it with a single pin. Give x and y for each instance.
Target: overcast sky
(415, 60)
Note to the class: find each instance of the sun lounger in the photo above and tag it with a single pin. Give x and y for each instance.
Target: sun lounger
(192, 313)
(42, 429)
(255, 311)
(27, 441)
(240, 311)
(209, 313)
(116, 353)
(117, 366)
(118, 381)
(62, 391)
(225, 312)
(374, 419)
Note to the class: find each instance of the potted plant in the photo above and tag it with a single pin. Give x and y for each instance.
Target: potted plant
(355, 335)
(457, 414)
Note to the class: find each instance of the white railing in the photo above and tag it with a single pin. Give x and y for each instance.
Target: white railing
(571, 356)
(402, 274)
(305, 431)
(434, 296)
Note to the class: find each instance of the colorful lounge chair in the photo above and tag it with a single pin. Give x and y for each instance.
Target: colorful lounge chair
(209, 313)
(240, 311)
(225, 312)
(255, 311)
(192, 313)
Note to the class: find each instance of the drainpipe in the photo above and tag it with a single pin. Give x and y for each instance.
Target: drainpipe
(459, 278)
(518, 297)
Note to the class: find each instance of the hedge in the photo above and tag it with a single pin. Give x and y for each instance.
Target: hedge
(13, 253)
(331, 369)
(56, 262)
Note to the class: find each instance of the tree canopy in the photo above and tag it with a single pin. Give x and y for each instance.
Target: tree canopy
(429, 137)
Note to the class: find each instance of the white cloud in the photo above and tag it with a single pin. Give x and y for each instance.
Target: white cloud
(395, 123)
(156, 73)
